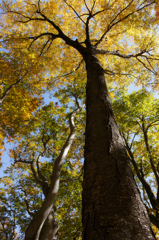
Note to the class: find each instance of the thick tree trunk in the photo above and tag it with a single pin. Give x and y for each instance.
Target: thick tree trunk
(112, 206)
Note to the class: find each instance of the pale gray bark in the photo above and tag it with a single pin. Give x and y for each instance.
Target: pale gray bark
(34, 229)
(49, 228)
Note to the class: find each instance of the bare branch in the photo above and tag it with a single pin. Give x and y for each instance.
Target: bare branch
(27, 203)
(141, 54)
(74, 11)
(117, 53)
(120, 20)
(146, 66)
(39, 5)
(86, 6)
(121, 11)
(46, 43)
(152, 123)
(98, 12)
(24, 16)
(94, 2)
(53, 36)
(72, 71)
(35, 175)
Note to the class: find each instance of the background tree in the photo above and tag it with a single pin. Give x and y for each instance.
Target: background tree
(105, 28)
(130, 111)
(21, 92)
(138, 117)
(45, 135)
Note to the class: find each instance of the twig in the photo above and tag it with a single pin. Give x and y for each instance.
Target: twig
(120, 20)
(71, 179)
(74, 11)
(11, 86)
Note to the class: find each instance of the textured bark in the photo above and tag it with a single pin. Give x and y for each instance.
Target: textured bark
(112, 206)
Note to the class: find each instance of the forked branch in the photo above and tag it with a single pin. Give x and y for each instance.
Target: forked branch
(36, 224)
(70, 6)
(113, 22)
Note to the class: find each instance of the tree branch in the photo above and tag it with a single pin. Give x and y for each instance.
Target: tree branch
(53, 36)
(117, 53)
(154, 220)
(146, 66)
(111, 24)
(86, 6)
(152, 123)
(121, 11)
(133, 139)
(27, 203)
(41, 176)
(21, 14)
(71, 179)
(11, 86)
(150, 194)
(72, 71)
(35, 175)
(94, 2)
(149, 152)
(140, 54)
(61, 35)
(111, 73)
(75, 44)
(74, 11)
(87, 41)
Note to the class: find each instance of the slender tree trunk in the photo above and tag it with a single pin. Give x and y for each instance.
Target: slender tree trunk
(33, 230)
(49, 228)
(112, 206)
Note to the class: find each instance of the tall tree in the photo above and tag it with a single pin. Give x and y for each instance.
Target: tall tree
(112, 206)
